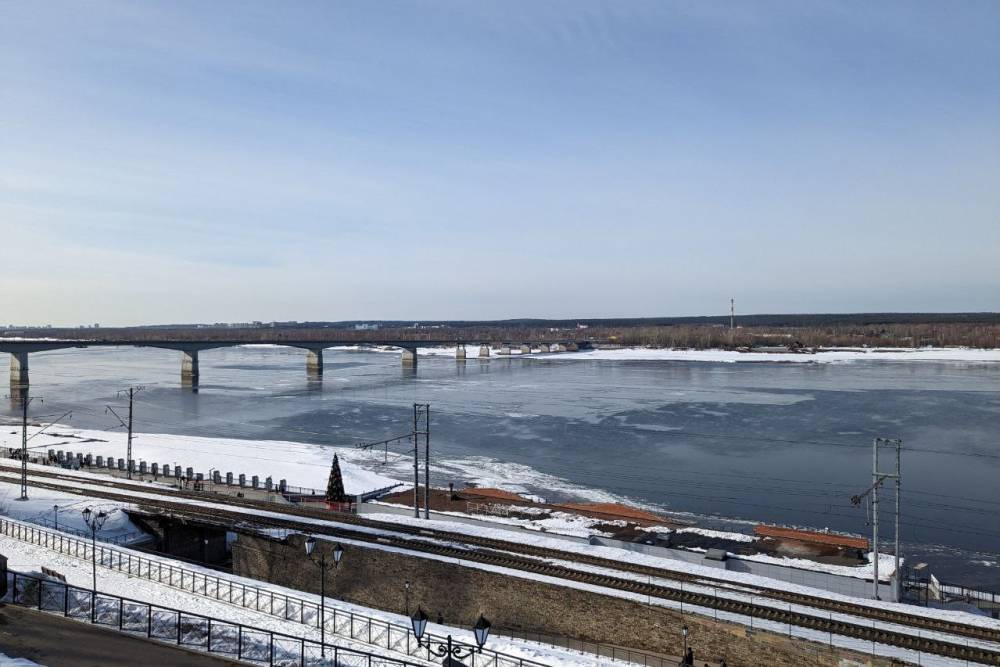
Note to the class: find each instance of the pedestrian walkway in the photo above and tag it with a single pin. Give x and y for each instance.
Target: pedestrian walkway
(54, 641)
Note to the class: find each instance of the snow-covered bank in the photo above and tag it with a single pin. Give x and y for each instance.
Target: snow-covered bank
(302, 464)
(822, 356)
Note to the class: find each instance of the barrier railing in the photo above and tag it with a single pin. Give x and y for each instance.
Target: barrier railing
(351, 625)
(122, 540)
(192, 631)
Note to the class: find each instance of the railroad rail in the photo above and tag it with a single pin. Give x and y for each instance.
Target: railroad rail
(537, 560)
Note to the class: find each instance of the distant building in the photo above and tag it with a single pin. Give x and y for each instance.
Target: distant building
(366, 327)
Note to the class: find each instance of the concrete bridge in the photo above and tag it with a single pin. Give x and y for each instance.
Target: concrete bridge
(19, 350)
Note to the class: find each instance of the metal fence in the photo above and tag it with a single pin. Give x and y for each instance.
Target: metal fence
(193, 631)
(929, 589)
(123, 539)
(358, 627)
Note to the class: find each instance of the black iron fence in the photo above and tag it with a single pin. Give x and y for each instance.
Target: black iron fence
(193, 631)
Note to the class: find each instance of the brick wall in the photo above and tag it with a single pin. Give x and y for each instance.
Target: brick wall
(374, 578)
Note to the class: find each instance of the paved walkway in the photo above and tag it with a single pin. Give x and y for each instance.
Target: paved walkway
(54, 641)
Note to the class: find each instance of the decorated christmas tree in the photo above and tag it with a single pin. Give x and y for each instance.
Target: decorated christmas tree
(335, 486)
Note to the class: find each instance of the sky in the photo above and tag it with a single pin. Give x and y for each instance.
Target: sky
(236, 161)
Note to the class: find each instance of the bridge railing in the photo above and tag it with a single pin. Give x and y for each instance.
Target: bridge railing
(235, 641)
(357, 627)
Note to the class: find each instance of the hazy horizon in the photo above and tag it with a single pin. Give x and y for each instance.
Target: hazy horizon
(192, 162)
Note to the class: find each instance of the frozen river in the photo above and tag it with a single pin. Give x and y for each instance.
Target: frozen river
(738, 442)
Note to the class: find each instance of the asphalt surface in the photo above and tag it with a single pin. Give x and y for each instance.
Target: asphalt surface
(54, 641)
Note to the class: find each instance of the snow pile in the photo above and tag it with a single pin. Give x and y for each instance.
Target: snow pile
(7, 661)
(302, 464)
(41, 504)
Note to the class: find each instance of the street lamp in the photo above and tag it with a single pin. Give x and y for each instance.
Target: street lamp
(55, 515)
(338, 553)
(448, 650)
(95, 521)
(684, 631)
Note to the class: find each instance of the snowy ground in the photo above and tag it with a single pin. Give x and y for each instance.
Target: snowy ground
(7, 661)
(39, 509)
(302, 464)
(29, 559)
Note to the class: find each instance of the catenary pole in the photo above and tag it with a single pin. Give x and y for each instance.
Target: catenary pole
(875, 484)
(416, 467)
(427, 461)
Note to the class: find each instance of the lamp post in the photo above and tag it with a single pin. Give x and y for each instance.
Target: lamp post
(448, 650)
(406, 587)
(55, 516)
(338, 553)
(95, 521)
(684, 631)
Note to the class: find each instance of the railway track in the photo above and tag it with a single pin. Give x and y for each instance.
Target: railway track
(536, 560)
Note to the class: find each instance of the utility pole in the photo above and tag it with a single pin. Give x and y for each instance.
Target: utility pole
(878, 478)
(422, 427)
(25, 402)
(416, 466)
(132, 391)
(876, 482)
(24, 447)
(732, 314)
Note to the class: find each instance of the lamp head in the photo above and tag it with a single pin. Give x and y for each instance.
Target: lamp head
(482, 630)
(86, 514)
(310, 545)
(99, 520)
(338, 553)
(684, 631)
(419, 622)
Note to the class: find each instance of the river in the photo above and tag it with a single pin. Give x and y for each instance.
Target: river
(728, 444)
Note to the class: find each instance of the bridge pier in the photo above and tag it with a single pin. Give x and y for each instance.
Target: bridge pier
(525, 349)
(409, 358)
(543, 347)
(314, 362)
(460, 352)
(189, 367)
(18, 371)
(484, 351)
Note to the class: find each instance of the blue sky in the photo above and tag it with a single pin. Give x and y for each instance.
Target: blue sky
(193, 161)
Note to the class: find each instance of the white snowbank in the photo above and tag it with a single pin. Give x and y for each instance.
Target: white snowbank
(823, 356)
(7, 661)
(302, 464)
